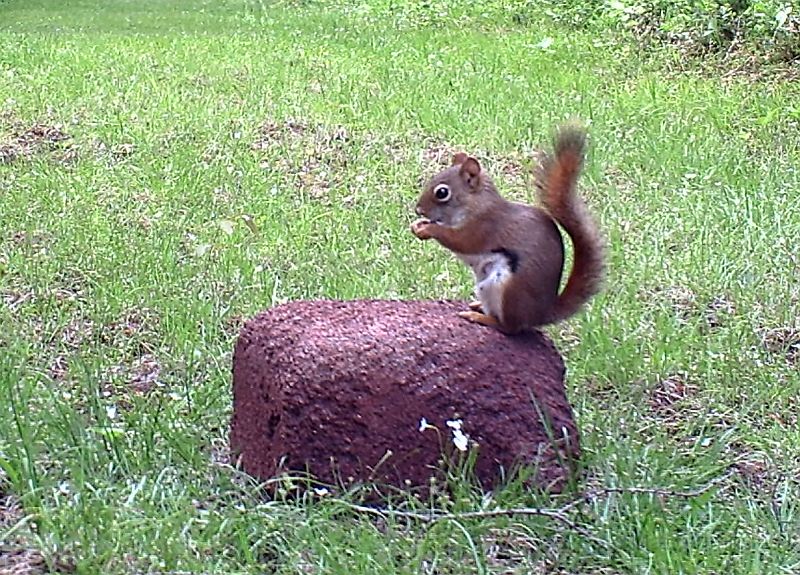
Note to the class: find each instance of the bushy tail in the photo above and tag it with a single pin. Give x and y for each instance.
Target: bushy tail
(556, 179)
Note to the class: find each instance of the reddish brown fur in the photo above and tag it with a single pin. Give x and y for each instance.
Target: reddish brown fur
(476, 220)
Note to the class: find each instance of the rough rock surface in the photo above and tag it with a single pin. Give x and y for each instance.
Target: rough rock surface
(339, 389)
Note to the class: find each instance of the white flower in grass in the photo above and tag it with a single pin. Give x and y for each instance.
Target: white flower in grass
(460, 440)
(423, 425)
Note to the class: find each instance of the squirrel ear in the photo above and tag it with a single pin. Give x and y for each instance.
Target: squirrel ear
(459, 158)
(470, 170)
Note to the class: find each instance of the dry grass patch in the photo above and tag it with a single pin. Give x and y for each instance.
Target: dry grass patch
(782, 341)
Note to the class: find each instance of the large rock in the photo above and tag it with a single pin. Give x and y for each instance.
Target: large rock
(340, 388)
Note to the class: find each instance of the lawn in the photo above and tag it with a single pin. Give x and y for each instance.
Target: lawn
(169, 168)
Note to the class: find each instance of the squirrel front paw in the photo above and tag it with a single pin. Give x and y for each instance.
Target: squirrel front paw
(422, 228)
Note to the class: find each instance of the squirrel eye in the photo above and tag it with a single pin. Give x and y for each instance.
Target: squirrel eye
(442, 192)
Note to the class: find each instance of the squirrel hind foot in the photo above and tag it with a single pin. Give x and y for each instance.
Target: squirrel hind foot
(480, 318)
(488, 321)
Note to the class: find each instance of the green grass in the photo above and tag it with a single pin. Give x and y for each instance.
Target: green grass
(183, 200)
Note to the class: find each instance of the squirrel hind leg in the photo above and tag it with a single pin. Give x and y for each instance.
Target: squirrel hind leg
(525, 307)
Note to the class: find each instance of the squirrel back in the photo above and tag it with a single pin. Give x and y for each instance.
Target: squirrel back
(556, 178)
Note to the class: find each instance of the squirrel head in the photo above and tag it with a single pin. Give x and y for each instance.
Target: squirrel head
(455, 193)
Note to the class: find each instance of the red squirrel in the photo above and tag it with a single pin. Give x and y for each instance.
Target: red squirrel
(515, 250)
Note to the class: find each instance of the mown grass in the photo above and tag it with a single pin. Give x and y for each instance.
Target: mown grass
(222, 157)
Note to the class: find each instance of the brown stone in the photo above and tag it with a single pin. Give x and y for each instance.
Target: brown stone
(339, 389)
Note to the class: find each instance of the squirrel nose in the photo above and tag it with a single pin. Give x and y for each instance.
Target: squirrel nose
(419, 211)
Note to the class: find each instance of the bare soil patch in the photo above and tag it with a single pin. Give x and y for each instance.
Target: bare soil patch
(24, 143)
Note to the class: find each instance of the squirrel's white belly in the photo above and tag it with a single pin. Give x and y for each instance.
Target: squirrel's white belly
(491, 271)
